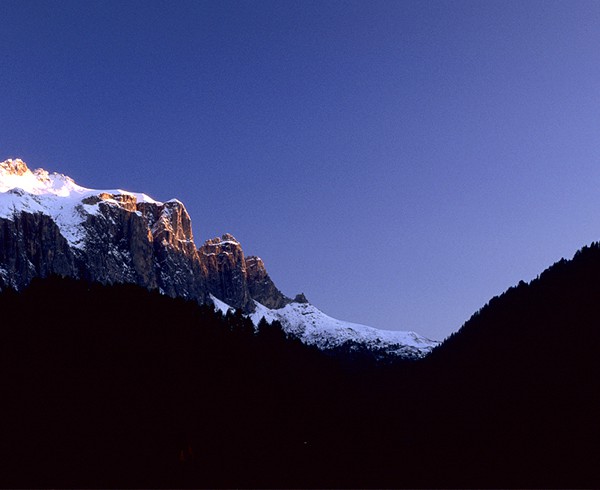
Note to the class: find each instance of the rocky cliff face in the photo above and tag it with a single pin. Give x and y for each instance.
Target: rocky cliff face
(226, 271)
(51, 225)
(260, 285)
(145, 243)
(31, 245)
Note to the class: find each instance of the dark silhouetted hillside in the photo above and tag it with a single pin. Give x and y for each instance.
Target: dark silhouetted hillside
(109, 386)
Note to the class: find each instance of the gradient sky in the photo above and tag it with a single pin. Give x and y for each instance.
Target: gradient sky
(399, 162)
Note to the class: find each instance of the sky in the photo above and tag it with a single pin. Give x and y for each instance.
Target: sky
(399, 162)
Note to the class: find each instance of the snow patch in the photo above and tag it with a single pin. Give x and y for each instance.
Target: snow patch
(313, 327)
(220, 305)
(54, 195)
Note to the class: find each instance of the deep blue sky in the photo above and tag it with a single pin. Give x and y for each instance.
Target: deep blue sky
(400, 162)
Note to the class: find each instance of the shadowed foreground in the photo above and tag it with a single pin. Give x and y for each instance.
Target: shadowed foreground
(117, 386)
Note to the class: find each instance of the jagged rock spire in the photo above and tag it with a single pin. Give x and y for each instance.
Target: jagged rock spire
(14, 167)
(118, 236)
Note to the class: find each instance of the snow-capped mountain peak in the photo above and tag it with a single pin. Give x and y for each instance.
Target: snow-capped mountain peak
(14, 174)
(13, 167)
(55, 195)
(313, 327)
(51, 225)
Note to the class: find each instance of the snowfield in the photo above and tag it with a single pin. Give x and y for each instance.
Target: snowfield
(69, 205)
(313, 327)
(54, 195)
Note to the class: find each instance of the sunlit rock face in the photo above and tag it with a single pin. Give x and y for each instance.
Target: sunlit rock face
(13, 167)
(50, 225)
(225, 266)
(235, 279)
(117, 246)
(260, 285)
(149, 244)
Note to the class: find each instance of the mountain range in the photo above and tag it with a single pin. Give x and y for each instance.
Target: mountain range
(111, 379)
(49, 225)
(116, 386)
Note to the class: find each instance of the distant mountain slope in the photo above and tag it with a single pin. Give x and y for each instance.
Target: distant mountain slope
(307, 323)
(555, 315)
(51, 225)
(513, 397)
(107, 386)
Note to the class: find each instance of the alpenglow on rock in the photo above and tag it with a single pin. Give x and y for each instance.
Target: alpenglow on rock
(50, 225)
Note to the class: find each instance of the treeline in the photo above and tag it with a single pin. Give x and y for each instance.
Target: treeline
(117, 386)
(519, 384)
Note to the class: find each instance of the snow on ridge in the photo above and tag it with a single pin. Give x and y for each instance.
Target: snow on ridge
(226, 239)
(42, 182)
(313, 327)
(38, 182)
(59, 197)
(220, 305)
(139, 196)
(55, 195)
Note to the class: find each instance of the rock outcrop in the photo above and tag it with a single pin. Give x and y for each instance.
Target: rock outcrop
(31, 245)
(260, 285)
(149, 244)
(223, 259)
(50, 225)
